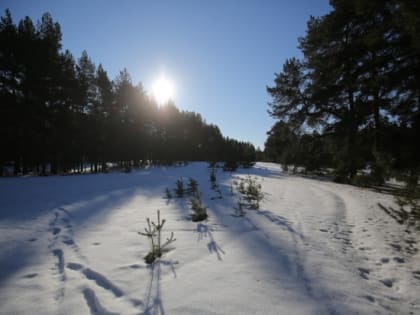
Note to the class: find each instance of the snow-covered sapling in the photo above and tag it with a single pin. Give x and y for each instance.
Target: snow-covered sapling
(153, 232)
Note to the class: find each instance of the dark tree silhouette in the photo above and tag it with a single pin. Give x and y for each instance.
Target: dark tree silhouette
(357, 88)
(61, 116)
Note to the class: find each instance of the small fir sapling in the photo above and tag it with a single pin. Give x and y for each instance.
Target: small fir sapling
(153, 233)
(213, 178)
(192, 186)
(199, 210)
(251, 192)
(179, 189)
(168, 194)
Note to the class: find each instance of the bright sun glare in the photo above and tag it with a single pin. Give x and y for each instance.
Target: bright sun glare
(163, 90)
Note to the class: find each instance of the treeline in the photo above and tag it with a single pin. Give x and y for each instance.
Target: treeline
(59, 114)
(352, 102)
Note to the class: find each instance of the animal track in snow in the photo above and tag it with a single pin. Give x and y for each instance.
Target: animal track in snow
(99, 279)
(364, 272)
(56, 231)
(68, 242)
(62, 231)
(389, 282)
(395, 246)
(102, 281)
(370, 298)
(385, 260)
(58, 253)
(93, 303)
(399, 260)
(74, 266)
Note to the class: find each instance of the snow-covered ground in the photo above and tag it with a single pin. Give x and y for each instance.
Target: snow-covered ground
(69, 245)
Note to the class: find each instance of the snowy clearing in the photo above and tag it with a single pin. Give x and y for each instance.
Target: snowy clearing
(69, 245)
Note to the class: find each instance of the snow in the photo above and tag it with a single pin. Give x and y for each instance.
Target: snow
(69, 245)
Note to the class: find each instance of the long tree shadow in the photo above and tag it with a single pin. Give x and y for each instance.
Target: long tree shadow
(279, 220)
(153, 302)
(204, 231)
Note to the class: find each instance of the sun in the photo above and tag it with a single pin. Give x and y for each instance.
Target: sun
(163, 90)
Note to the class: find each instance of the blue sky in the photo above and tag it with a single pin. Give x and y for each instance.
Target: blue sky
(220, 54)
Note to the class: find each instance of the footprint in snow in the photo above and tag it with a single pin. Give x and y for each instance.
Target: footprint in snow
(388, 282)
(58, 253)
(364, 272)
(411, 250)
(93, 303)
(370, 298)
(399, 260)
(98, 278)
(385, 260)
(395, 246)
(74, 266)
(136, 302)
(68, 242)
(56, 230)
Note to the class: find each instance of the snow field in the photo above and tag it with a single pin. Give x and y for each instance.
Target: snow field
(69, 245)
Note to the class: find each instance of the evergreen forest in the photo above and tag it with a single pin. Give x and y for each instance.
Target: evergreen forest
(351, 103)
(62, 115)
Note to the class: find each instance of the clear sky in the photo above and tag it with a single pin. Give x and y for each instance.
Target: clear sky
(221, 54)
